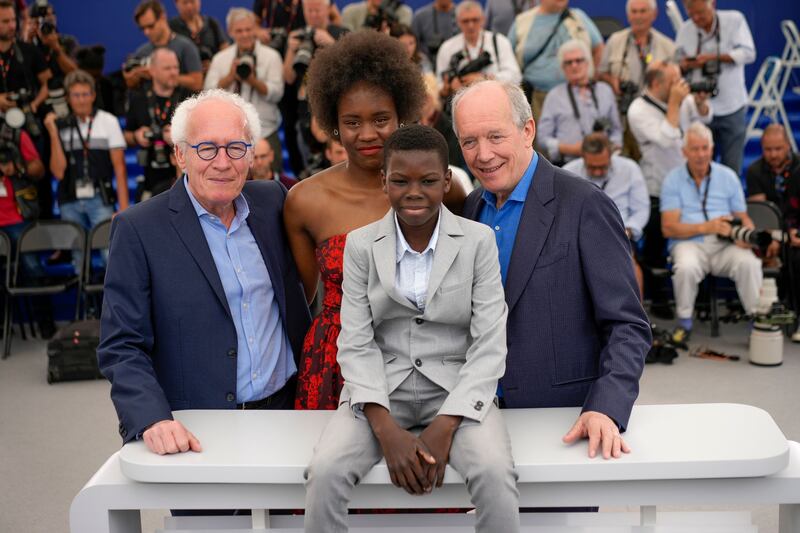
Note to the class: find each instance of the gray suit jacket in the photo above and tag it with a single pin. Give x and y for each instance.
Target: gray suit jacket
(458, 342)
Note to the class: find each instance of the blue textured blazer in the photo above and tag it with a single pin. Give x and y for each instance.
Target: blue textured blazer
(577, 333)
(167, 338)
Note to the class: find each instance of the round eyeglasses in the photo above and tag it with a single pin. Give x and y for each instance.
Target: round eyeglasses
(208, 150)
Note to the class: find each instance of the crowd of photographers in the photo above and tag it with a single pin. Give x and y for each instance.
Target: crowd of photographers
(625, 112)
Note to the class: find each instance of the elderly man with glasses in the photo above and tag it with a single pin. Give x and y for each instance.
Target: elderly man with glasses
(203, 307)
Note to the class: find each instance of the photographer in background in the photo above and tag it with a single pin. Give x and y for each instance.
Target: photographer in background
(151, 18)
(57, 49)
(253, 71)
(147, 124)
(699, 202)
(574, 109)
(263, 159)
(474, 54)
(713, 47)
(87, 151)
(23, 72)
(204, 31)
(376, 14)
(626, 56)
(433, 24)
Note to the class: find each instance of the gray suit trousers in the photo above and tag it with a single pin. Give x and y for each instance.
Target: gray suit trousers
(347, 450)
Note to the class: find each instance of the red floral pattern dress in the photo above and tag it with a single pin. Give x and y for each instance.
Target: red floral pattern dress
(319, 380)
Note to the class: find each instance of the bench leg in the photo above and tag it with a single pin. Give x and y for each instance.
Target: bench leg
(260, 518)
(789, 518)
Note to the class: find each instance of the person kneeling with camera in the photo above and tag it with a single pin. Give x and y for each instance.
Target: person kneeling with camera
(574, 109)
(147, 123)
(475, 53)
(699, 202)
(252, 70)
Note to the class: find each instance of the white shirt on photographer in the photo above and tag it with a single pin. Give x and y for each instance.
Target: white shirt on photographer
(506, 69)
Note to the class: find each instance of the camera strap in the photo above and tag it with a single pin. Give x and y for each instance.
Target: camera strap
(717, 37)
(564, 15)
(159, 116)
(704, 198)
(575, 112)
(645, 55)
(84, 144)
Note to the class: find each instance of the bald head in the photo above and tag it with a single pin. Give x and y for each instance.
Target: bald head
(775, 146)
(659, 78)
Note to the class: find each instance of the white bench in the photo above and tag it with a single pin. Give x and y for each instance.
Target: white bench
(700, 454)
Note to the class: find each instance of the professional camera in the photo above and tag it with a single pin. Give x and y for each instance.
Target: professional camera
(704, 86)
(459, 68)
(277, 39)
(305, 51)
(40, 10)
(755, 238)
(135, 62)
(158, 154)
(23, 99)
(602, 125)
(628, 93)
(56, 98)
(205, 53)
(387, 12)
(245, 67)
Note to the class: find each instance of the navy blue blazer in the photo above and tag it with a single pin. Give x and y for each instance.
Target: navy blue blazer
(167, 337)
(577, 333)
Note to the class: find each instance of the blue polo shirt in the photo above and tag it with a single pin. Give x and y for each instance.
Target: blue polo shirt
(721, 190)
(505, 221)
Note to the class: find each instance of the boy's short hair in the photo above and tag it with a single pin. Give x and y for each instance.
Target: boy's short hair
(416, 137)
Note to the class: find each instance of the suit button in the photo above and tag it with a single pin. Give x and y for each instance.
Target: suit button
(418, 362)
(418, 320)
(478, 405)
(231, 353)
(230, 396)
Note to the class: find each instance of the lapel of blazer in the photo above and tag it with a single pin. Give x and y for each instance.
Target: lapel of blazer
(534, 226)
(184, 219)
(384, 253)
(446, 250)
(264, 234)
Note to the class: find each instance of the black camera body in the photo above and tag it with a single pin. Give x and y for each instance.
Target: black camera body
(278, 37)
(158, 154)
(602, 125)
(458, 68)
(755, 238)
(704, 86)
(246, 64)
(628, 93)
(134, 62)
(305, 51)
(387, 12)
(23, 99)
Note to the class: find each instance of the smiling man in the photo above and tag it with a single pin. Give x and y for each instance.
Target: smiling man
(577, 334)
(203, 308)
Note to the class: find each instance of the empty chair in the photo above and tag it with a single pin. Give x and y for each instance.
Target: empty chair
(93, 277)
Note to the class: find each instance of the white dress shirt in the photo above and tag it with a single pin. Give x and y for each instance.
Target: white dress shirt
(414, 268)
(269, 69)
(735, 40)
(660, 142)
(504, 69)
(625, 185)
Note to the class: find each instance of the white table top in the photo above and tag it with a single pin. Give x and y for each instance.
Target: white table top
(668, 442)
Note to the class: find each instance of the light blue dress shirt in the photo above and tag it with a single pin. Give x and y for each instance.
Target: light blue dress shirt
(679, 191)
(265, 360)
(505, 221)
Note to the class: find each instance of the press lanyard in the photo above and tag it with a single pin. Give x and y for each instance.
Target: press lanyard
(84, 144)
(574, 105)
(157, 112)
(5, 68)
(705, 194)
(716, 36)
(643, 58)
(480, 51)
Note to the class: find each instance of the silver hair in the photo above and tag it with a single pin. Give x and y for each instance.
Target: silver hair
(698, 129)
(520, 107)
(653, 5)
(572, 45)
(467, 5)
(235, 14)
(180, 120)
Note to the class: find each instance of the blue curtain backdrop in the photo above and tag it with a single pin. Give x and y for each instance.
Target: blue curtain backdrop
(110, 22)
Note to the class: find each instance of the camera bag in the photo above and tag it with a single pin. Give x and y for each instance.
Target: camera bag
(72, 352)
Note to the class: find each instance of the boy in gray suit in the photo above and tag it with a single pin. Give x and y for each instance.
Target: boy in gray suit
(422, 346)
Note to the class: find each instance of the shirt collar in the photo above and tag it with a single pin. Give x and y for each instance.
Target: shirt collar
(239, 204)
(402, 245)
(520, 192)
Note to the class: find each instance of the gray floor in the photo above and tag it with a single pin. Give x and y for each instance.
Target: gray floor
(54, 437)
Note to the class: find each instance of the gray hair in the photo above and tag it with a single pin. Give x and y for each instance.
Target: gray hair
(180, 119)
(572, 45)
(520, 107)
(698, 129)
(652, 4)
(76, 77)
(467, 5)
(235, 14)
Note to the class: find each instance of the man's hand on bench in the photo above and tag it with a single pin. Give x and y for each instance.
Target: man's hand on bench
(404, 452)
(170, 436)
(602, 432)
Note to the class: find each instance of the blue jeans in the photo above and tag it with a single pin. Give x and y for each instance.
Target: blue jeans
(87, 213)
(729, 138)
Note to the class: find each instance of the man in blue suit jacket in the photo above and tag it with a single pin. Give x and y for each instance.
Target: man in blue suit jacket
(577, 333)
(203, 307)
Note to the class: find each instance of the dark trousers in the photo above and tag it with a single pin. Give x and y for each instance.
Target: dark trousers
(729, 138)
